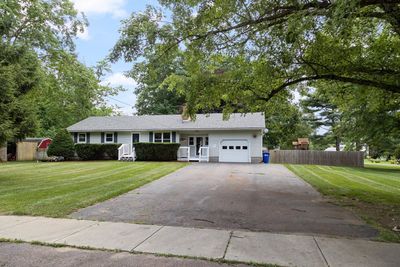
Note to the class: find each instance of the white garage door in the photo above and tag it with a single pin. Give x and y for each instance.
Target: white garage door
(234, 150)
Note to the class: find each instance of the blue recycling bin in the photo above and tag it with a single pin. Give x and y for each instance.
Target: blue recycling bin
(266, 157)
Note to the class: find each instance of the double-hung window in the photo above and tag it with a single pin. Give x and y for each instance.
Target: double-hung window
(109, 138)
(167, 137)
(164, 137)
(158, 137)
(81, 137)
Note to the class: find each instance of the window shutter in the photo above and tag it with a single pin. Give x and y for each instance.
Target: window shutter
(75, 138)
(87, 138)
(151, 137)
(102, 138)
(115, 137)
(173, 137)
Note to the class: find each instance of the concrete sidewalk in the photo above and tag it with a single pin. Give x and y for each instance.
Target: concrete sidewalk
(255, 247)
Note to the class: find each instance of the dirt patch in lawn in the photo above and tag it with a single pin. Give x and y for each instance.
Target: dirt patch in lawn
(383, 217)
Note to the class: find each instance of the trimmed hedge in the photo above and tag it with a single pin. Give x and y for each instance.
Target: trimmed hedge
(156, 151)
(97, 151)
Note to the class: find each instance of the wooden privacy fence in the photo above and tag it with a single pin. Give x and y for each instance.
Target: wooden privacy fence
(333, 158)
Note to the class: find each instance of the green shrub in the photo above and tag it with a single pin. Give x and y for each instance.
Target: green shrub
(111, 150)
(396, 153)
(97, 151)
(62, 145)
(156, 151)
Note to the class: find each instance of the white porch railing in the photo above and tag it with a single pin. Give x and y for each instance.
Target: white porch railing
(185, 155)
(126, 152)
(203, 154)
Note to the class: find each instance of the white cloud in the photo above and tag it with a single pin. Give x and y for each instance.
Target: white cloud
(119, 79)
(114, 7)
(124, 101)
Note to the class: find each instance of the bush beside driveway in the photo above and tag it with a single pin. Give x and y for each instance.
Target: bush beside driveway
(57, 189)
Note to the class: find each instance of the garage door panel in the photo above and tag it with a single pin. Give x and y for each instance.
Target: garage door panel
(234, 150)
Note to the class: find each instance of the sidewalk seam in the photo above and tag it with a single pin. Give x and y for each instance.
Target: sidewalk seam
(320, 250)
(147, 238)
(227, 244)
(80, 230)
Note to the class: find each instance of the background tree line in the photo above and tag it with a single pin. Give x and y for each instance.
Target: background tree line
(43, 86)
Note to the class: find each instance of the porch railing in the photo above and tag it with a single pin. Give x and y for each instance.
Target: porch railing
(126, 152)
(203, 154)
(184, 153)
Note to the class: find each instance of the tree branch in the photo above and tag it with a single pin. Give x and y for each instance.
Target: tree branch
(332, 77)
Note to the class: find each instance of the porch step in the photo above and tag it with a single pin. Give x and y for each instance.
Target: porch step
(127, 157)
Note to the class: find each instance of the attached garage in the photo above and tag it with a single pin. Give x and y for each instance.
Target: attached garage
(234, 150)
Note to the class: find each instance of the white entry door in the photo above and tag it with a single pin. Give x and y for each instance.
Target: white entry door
(234, 150)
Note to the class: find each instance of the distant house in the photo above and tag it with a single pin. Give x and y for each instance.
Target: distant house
(208, 138)
(301, 144)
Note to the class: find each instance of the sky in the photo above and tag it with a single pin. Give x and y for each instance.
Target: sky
(94, 44)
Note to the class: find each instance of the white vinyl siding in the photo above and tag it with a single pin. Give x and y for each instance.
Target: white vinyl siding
(95, 138)
(124, 138)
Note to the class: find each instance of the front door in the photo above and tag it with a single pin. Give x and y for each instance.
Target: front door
(195, 142)
(199, 143)
(135, 139)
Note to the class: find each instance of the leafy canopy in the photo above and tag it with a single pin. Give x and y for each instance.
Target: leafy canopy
(243, 53)
(43, 85)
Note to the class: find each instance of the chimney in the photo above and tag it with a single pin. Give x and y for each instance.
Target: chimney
(184, 113)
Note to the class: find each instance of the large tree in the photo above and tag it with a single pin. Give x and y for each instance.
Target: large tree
(285, 123)
(152, 97)
(324, 116)
(18, 75)
(44, 86)
(355, 116)
(287, 43)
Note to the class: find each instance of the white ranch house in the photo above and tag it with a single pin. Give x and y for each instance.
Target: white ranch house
(208, 138)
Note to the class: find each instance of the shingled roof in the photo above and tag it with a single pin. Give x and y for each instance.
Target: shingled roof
(213, 121)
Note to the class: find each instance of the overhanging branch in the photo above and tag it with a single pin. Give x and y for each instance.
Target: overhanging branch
(332, 77)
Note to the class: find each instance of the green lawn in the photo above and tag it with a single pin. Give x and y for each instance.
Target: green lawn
(373, 192)
(57, 189)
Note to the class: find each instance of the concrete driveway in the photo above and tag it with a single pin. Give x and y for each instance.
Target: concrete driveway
(252, 197)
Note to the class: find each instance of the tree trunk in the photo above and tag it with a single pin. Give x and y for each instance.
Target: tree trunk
(337, 139)
(3, 153)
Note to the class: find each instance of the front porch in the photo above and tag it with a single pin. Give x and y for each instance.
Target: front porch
(186, 153)
(193, 147)
(126, 152)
